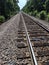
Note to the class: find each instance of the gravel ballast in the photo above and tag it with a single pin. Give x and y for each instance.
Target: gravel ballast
(8, 49)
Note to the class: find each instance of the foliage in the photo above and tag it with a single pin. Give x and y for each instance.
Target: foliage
(32, 5)
(30, 13)
(38, 8)
(2, 19)
(47, 5)
(38, 15)
(35, 13)
(48, 17)
(8, 7)
(42, 15)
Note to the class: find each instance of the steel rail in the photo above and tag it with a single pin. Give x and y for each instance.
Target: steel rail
(37, 22)
(31, 48)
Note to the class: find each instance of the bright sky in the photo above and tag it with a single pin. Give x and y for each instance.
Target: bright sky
(22, 3)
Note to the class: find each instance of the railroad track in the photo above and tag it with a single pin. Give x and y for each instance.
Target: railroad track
(24, 56)
(33, 41)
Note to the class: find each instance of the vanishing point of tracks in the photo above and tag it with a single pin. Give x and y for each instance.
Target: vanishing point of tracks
(33, 39)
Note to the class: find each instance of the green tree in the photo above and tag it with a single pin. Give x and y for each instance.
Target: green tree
(47, 5)
(8, 7)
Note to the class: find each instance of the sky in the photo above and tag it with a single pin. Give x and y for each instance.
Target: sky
(22, 3)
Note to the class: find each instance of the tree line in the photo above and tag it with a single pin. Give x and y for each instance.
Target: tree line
(38, 8)
(8, 8)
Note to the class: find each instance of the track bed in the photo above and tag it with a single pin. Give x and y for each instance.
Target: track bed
(39, 38)
(24, 56)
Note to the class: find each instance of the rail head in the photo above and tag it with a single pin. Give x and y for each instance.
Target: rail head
(31, 48)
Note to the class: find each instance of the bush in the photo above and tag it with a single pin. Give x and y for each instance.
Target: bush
(31, 13)
(48, 17)
(2, 19)
(38, 15)
(42, 15)
(35, 13)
